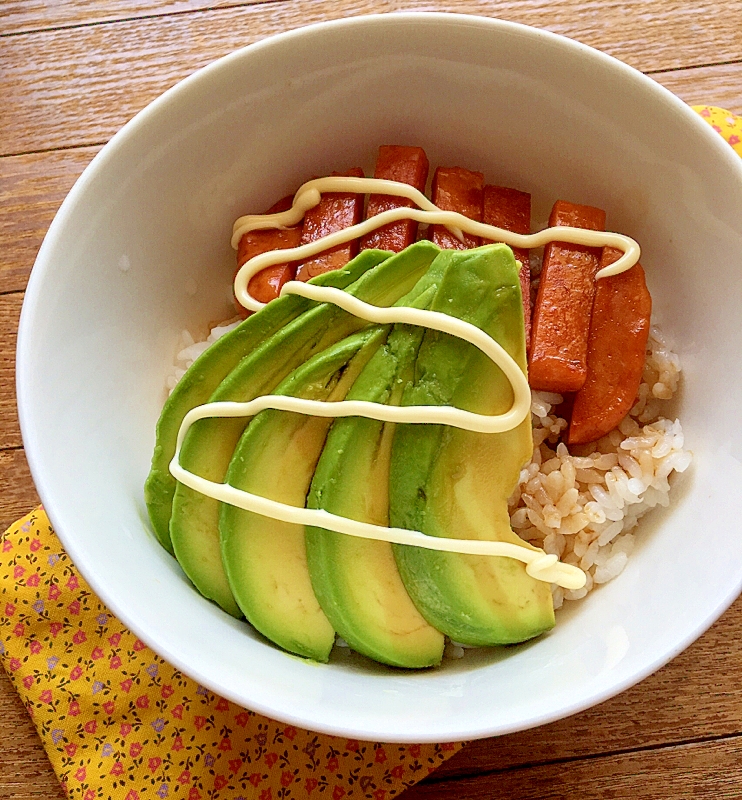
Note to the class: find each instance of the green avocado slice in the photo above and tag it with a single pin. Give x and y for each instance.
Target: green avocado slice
(449, 482)
(208, 371)
(209, 445)
(264, 558)
(356, 580)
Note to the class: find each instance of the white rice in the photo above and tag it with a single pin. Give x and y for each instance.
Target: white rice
(583, 505)
(189, 350)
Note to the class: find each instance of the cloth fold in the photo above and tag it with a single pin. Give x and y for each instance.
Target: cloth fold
(119, 722)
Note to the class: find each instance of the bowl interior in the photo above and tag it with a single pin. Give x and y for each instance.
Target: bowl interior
(140, 251)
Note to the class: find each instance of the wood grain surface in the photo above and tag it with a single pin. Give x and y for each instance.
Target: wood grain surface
(10, 311)
(72, 73)
(701, 770)
(72, 95)
(719, 85)
(32, 188)
(24, 16)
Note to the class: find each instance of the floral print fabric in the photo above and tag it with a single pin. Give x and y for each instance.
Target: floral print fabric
(723, 122)
(119, 722)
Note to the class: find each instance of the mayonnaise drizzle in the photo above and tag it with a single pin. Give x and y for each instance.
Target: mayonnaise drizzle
(539, 565)
(310, 194)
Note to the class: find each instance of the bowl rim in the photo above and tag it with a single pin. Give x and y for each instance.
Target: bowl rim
(43, 264)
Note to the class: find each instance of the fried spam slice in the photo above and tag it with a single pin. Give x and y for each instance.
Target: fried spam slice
(561, 317)
(336, 210)
(266, 284)
(510, 209)
(616, 348)
(405, 165)
(457, 189)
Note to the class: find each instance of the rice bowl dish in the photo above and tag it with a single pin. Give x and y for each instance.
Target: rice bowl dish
(89, 465)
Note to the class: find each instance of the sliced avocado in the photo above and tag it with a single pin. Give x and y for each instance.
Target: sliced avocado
(265, 559)
(356, 580)
(210, 369)
(449, 482)
(209, 445)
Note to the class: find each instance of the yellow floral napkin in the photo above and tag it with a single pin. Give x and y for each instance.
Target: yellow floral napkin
(723, 122)
(120, 723)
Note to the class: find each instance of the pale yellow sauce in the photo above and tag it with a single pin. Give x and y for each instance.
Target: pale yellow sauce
(310, 194)
(539, 565)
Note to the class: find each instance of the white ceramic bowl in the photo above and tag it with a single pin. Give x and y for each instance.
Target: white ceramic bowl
(140, 250)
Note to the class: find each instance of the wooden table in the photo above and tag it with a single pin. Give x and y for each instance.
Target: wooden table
(73, 72)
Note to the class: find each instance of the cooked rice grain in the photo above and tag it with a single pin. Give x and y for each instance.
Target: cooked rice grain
(190, 349)
(583, 506)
